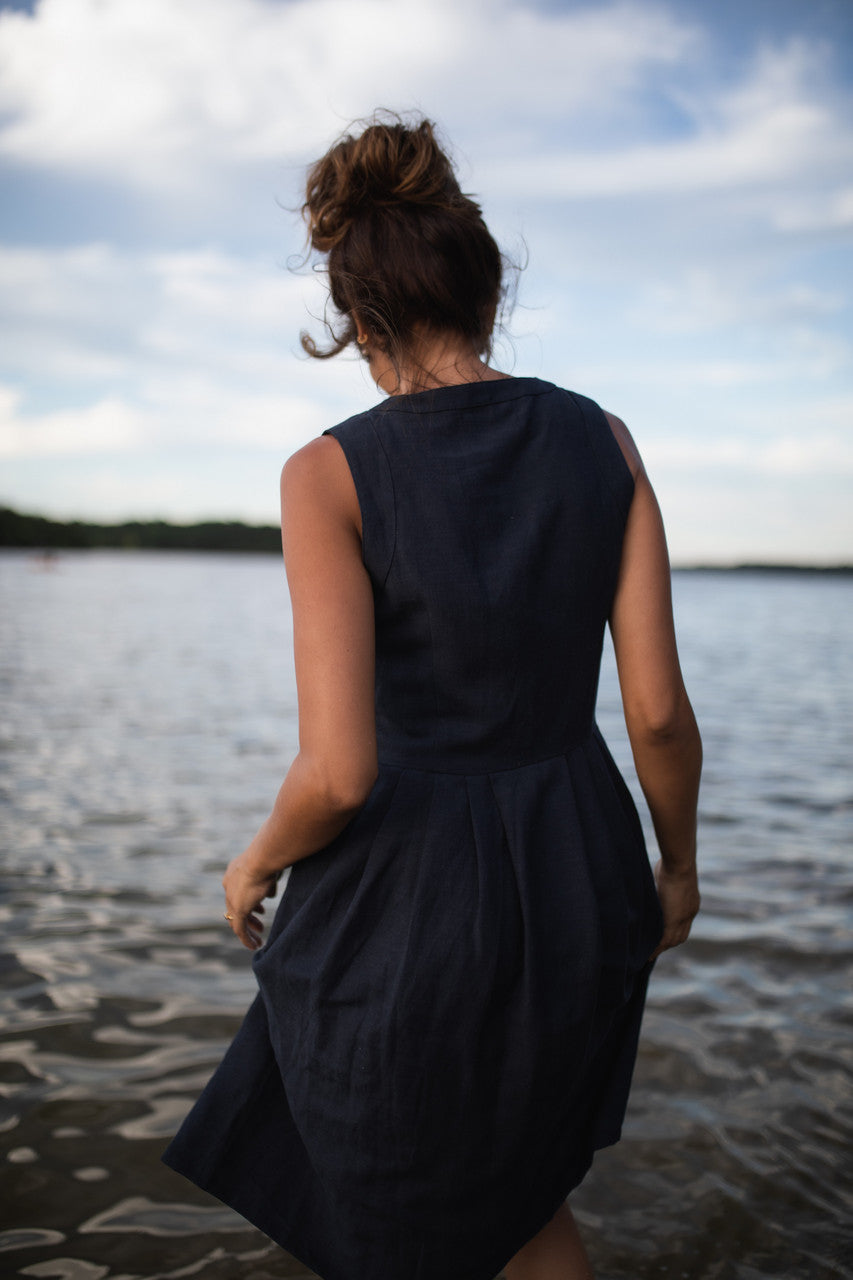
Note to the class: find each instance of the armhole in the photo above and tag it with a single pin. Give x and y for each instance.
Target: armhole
(374, 488)
(616, 474)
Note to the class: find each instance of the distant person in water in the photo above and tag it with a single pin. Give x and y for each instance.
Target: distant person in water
(452, 987)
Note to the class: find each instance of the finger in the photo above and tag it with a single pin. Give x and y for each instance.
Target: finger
(247, 935)
(666, 943)
(673, 937)
(255, 928)
(254, 910)
(238, 925)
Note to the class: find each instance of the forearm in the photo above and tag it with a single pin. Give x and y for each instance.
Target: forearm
(669, 764)
(308, 813)
(306, 816)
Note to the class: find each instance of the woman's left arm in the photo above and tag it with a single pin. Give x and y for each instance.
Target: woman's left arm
(333, 644)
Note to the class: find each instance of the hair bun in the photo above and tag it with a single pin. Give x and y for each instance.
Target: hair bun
(388, 164)
(406, 251)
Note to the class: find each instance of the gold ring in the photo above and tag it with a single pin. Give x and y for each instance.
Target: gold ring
(227, 917)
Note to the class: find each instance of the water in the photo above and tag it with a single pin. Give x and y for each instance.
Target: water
(149, 714)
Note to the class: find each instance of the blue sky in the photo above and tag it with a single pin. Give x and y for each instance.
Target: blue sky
(678, 177)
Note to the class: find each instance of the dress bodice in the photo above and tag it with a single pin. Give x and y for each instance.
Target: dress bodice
(493, 515)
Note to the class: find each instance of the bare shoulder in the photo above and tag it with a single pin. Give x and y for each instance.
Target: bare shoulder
(626, 443)
(318, 461)
(319, 472)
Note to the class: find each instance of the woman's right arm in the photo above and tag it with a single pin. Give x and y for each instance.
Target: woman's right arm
(661, 726)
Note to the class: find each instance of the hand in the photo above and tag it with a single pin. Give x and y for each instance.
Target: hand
(244, 894)
(678, 892)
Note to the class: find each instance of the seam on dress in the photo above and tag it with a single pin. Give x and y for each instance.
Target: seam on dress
(406, 767)
(384, 453)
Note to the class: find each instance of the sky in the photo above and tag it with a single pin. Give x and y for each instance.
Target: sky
(675, 179)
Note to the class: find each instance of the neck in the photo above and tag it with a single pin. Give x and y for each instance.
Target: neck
(435, 361)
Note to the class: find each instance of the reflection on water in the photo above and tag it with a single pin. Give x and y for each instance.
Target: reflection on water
(149, 715)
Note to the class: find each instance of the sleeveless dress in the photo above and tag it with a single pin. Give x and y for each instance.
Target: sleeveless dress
(451, 992)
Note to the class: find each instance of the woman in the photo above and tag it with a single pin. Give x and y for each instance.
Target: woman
(451, 992)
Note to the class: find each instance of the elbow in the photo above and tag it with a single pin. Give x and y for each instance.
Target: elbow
(349, 794)
(664, 722)
(343, 788)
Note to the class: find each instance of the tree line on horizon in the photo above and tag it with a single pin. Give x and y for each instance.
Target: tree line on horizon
(40, 533)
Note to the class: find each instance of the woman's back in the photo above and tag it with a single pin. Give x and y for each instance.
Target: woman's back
(493, 515)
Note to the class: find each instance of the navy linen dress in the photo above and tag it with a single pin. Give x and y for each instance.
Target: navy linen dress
(451, 992)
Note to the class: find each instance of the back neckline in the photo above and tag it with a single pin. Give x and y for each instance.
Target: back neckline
(463, 394)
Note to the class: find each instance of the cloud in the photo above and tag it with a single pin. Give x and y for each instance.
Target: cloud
(135, 351)
(815, 451)
(824, 211)
(589, 102)
(698, 301)
(108, 426)
(181, 414)
(162, 95)
(97, 312)
(779, 124)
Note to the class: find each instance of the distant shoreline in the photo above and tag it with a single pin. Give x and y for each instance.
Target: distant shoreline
(25, 532)
(38, 533)
(760, 566)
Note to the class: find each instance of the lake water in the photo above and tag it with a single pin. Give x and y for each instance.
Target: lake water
(148, 717)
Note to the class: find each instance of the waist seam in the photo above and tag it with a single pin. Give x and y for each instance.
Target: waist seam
(470, 772)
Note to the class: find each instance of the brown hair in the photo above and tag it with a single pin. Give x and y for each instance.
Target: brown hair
(406, 248)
